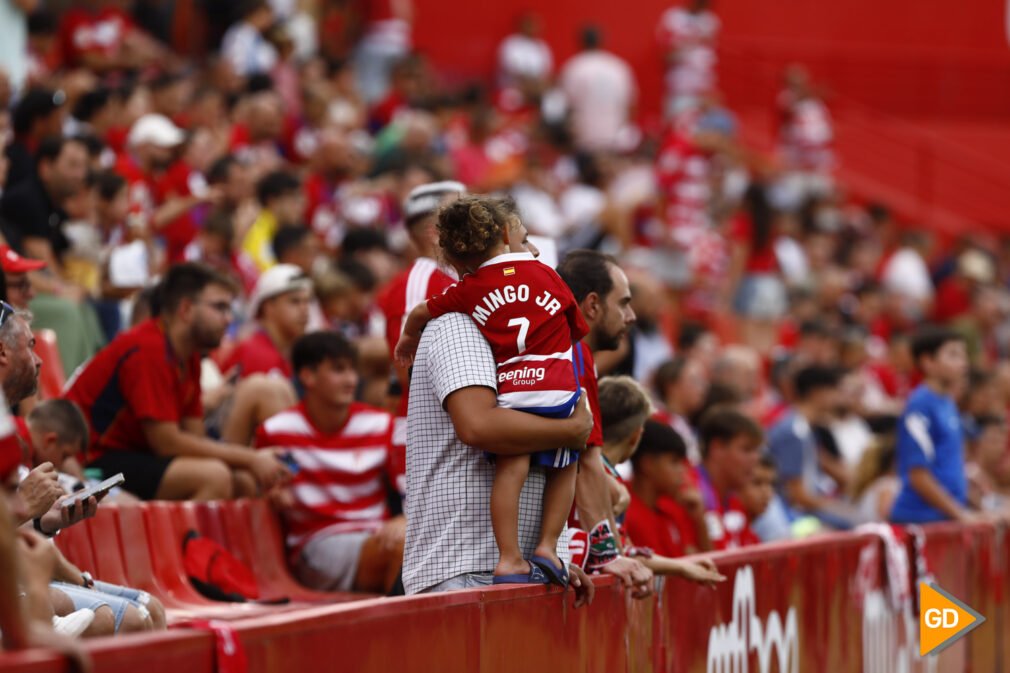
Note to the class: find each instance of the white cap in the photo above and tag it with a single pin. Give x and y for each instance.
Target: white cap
(156, 129)
(427, 198)
(275, 281)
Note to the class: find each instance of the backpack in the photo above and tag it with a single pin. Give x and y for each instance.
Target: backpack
(215, 573)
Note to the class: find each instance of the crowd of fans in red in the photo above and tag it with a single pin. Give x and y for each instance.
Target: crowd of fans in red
(227, 252)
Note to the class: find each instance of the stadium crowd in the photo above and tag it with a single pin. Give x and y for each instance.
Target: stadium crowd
(228, 254)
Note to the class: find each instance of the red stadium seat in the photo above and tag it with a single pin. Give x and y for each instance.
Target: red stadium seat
(107, 547)
(75, 543)
(52, 377)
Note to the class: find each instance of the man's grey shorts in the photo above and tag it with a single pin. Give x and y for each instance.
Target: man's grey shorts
(330, 562)
(465, 581)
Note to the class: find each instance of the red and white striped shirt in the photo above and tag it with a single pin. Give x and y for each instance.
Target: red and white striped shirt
(339, 485)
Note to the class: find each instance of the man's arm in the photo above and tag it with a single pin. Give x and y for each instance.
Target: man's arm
(13, 620)
(480, 422)
(929, 489)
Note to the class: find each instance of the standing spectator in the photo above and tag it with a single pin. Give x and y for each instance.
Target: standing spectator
(339, 528)
(604, 295)
(601, 92)
(454, 407)
(930, 445)
(386, 42)
(525, 62)
(280, 307)
(144, 406)
(688, 35)
(245, 46)
(730, 449)
(38, 115)
(806, 138)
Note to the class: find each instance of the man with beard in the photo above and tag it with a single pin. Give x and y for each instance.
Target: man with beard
(141, 396)
(604, 296)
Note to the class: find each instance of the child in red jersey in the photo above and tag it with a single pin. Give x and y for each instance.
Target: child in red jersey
(530, 318)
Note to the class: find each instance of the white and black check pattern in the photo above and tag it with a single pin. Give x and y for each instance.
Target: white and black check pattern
(449, 483)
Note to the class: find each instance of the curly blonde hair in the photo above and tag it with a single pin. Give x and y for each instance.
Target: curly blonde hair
(471, 225)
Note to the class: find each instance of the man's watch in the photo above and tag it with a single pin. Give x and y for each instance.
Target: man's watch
(87, 581)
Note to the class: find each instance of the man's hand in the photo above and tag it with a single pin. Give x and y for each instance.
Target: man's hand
(582, 585)
(268, 469)
(405, 350)
(66, 512)
(392, 533)
(633, 574)
(40, 490)
(703, 571)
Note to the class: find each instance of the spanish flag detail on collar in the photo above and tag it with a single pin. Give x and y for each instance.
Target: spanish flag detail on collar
(509, 271)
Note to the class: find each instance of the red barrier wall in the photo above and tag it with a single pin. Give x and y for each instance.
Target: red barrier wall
(816, 605)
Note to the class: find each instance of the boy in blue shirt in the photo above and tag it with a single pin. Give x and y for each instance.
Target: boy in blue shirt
(930, 447)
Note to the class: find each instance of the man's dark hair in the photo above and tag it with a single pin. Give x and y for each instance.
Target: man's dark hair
(51, 147)
(359, 274)
(218, 171)
(814, 328)
(275, 184)
(929, 340)
(89, 104)
(815, 377)
(363, 239)
(690, 334)
(42, 22)
(187, 281)
(658, 439)
(724, 424)
(314, 348)
(108, 184)
(287, 239)
(35, 104)
(586, 271)
(62, 417)
(589, 37)
(669, 373)
(624, 406)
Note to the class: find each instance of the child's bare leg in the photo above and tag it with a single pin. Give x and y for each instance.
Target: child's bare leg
(509, 476)
(558, 496)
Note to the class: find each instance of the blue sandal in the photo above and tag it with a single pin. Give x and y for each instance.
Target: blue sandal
(535, 576)
(556, 575)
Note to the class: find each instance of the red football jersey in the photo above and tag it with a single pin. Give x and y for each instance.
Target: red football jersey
(530, 318)
(725, 516)
(339, 484)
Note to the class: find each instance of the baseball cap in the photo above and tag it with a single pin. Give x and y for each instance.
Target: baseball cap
(12, 262)
(275, 281)
(156, 129)
(425, 199)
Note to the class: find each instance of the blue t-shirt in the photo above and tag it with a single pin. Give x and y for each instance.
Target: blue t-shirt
(929, 435)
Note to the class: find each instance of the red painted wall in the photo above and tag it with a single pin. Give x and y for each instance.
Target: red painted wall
(907, 57)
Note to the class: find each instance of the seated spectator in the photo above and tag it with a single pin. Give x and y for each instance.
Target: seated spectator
(682, 384)
(280, 307)
(338, 528)
(875, 483)
(282, 204)
(768, 515)
(805, 480)
(16, 269)
(660, 467)
(144, 406)
(625, 408)
(214, 246)
(930, 444)
(298, 246)
(730, 448)
(988, 461)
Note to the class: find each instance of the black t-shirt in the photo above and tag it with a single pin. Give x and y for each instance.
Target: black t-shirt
(28, 212)
(21, 164)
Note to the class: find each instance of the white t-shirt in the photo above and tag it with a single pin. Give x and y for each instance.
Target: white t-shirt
(13, 43)
(521, 56)
(247, 50)
(600, 89)
(906, 274)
